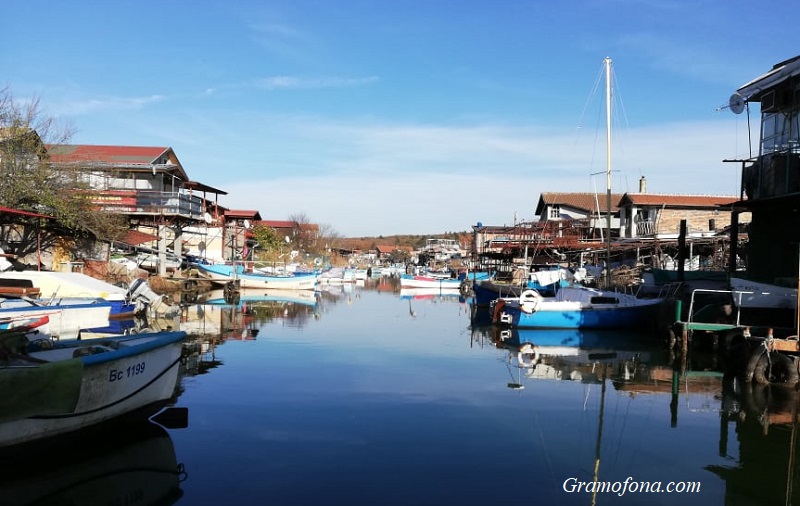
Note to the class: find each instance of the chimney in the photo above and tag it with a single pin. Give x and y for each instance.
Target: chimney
(642, 185)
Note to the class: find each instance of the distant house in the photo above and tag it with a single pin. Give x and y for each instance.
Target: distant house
(138, 181)
(147, 184)
(385, 251)
(650, 215)
(591, 209)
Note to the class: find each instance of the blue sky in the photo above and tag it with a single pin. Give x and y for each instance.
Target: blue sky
(390, 117)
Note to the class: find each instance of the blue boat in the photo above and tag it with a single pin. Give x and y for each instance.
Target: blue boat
(224, 273)
(545, 281)
(578, 307)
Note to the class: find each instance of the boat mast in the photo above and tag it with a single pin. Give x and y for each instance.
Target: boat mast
(607, 62)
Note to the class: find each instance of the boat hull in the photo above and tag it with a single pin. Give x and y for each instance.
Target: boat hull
(580, 308)
(108, 378)
(409, 281)
(222, 274)
(65, 320)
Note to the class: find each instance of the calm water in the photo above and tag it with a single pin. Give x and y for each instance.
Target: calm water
(369, 398)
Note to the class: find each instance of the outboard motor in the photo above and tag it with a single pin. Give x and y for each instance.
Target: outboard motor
(140, 292)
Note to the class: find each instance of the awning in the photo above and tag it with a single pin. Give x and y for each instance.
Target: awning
(134, 238)
(751, 92)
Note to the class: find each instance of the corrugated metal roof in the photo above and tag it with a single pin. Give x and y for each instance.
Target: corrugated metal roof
(74, 153)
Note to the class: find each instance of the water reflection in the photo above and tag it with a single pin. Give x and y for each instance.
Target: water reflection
(111, 464)
(764, 419)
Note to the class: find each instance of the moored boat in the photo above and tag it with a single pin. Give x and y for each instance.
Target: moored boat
(65, 321)
(50, 387)
(224, 273)
(578, 307)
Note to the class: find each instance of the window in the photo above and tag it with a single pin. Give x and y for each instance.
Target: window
(555, 211)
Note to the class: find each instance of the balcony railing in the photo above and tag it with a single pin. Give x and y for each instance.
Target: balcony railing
(148, 202)
(772, 175)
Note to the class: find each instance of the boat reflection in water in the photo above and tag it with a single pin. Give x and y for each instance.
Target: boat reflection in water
(241, 317)
(109, 464)
(574, 354)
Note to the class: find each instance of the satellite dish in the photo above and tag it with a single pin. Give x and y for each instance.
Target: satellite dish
(246, 223)
(736, 103)
(287, 239)
(207, 218)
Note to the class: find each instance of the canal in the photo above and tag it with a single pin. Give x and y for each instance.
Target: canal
(366, 395)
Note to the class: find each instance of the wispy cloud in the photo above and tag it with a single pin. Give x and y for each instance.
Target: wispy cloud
(291, 82)
(93, 105)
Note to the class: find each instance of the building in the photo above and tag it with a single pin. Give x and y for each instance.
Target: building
(147, 184)
(770, 184)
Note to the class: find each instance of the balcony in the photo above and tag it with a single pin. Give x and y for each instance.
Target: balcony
(148, 203)
(772, 175)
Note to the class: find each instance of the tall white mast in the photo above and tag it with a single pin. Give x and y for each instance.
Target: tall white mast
(607, 61)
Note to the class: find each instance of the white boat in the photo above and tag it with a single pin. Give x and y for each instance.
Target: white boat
(55, 285)
(223, 274)
(749, 294)
(412, 281)
(53, 387)
(65, 321)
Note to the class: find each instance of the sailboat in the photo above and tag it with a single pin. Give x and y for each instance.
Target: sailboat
(580, 307)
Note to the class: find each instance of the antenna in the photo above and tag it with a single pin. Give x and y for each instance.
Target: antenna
(736, 103)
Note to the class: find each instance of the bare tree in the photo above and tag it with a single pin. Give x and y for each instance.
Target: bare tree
(50, 204)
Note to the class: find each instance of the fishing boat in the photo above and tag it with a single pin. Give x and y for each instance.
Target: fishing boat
(224, 273)
(418, 281)
(65, 321)
(545, 281)
(50, 387)
(753, 294)
(55, 287)
(579, 307)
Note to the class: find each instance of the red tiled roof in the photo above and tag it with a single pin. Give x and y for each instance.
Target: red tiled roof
(134, 238)
(242, 213)
(654, 199)
(277, 223)
(68, 153)
(588, 202)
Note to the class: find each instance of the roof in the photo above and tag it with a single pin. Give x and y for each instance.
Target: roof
(114, 156)
(8, 210)
(242, 213)
(588, 202)
(667, 200)
(194, 185)
(70, 153)
(780, 72)
(134, 238)
(277, 223)
(390, 248)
